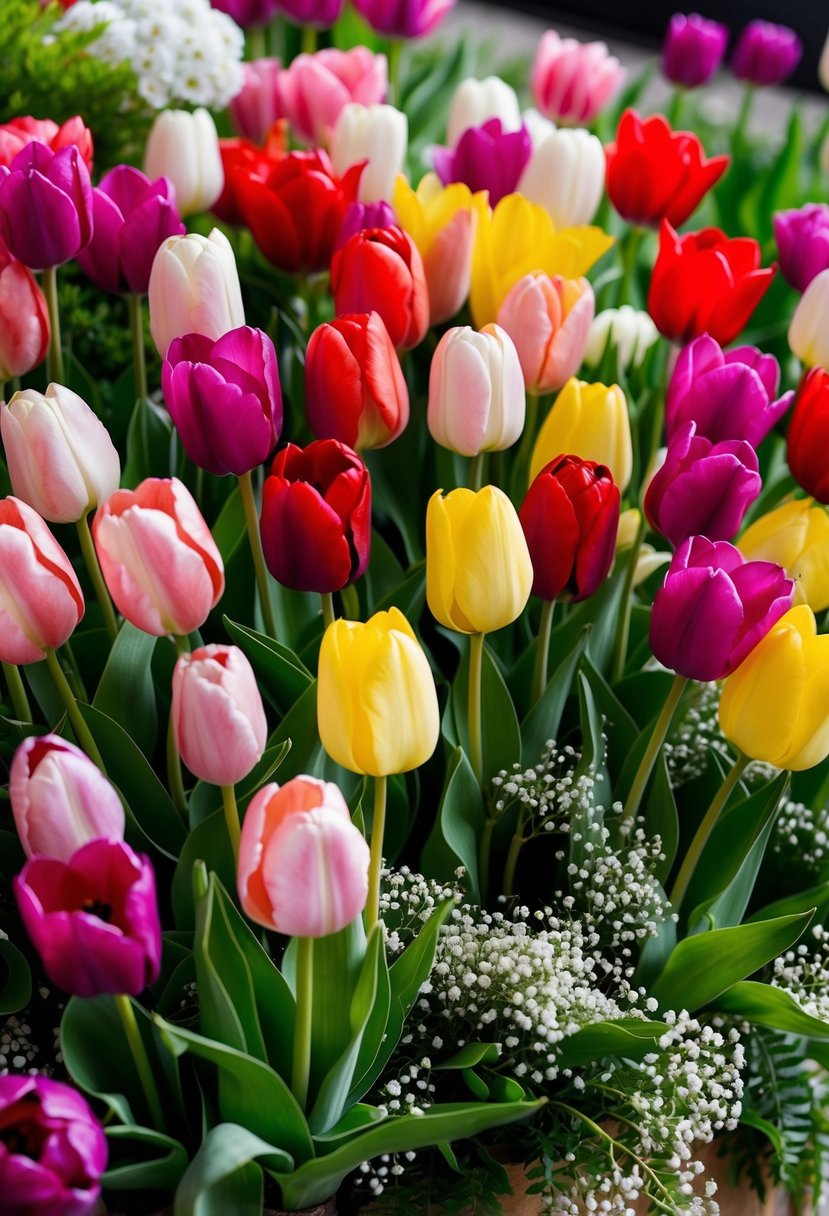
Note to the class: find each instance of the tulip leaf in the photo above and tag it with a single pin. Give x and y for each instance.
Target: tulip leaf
(813, 897)
(602, 612)
(454, 839)
(152, 444)
(15, 978)
(223, 1176)
(205, 798)
(470, 1055)
(208, 842)
(544, 718)
(125, 691)
(619, 726)
(626, 1037)
(586, 821)
(353, 1123)
(765, 1005)
(408, 596)
(230, 528)
(282, 676)
(658, 808)
(501, 733)
(143, 1159)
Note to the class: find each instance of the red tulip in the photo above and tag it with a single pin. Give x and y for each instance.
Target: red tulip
(808, 435)
(16, 134)
(242, 157)
(380, 270)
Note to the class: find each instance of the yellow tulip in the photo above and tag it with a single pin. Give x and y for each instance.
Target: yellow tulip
(591, 421)
(519, 238)
(377, 707)
(478, 569)
(775, 706)
(795, 536)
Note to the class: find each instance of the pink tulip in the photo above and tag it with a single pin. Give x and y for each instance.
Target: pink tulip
(476, 391)
(303, 865)
(549, 321)
(448, 266)
(160, 563)
(316, 88)
(218, 716)
(24, 318)
(60, 799)
(258, 104)
(40, 597)
(16, 134)
(573, 81)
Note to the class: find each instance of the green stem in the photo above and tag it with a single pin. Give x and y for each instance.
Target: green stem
(255, 39)
(73, 672)
(19, 700)
(350, 602)
(54, 355)
(255, 540)
(676, 106)
(231, 810)
(515, 846)
(140, 1060)
(395, 55)
(620, 642)
(630, 253)
(329, 616)
(2, 390)
(375, 865)
(689, 864)
(483, 857)
(139, 362)
(309, 40)
(599, 1131)
(174, 776)
(301, 1069)
(477, 467)
(82, 731)
(542, 649)
(525, 448)
(473, 713)
(91, 559)
(739, 138)
(660, 732)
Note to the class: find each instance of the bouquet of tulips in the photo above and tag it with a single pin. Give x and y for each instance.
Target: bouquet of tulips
(416, 699)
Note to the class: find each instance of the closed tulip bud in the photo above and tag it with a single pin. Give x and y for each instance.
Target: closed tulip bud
(476, 391)
(570, 517)
(627, 331)
(766, 53)
(316, 517)
(414, 19)
(184, 147)
(377, 706)
(60, 457)
(796, 536)
(808, 434)
(714, 607)
(93, 919)
(802, 238)
(478, 569)
(160, 562)
(573, 81)
(303, 865)
(693, 49)
(355, 390)
(549, 320)
(257, 105)
(376, 134)
(315, 88)
(45, 205)
(474, 102)
(16, 134)
(217, 714)
(809, 327)
(486, 158)
(565, 175)
(194, 289)
(380, 270)
(24, 319)
(591, 421)
(40, 597)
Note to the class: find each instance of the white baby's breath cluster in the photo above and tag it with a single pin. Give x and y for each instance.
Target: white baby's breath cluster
(180, 50)
(697, 734)
(803, 972)
(801, 836)
(547, 795)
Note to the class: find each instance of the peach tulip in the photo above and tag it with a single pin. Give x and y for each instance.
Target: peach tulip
(549, 321)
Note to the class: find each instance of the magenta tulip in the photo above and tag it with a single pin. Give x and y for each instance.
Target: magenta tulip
(45, 205)
(693, 49)
(319, 13)
(486, 158)
(802, 238)
(248, 13)
(403, 18)
(766, 53)
(359, 216)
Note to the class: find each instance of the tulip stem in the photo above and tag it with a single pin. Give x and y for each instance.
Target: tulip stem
(660, 732)
(484, 854)
(301, 1069)
(309, 40)
(473, 712)
(375, 865)
(54, 355)
(231, 819)
(630, 253)
(174, 777)
(255, 539)
(677, 105)
(255, 38)
(395, 55)
(739, 139)
(139, 362)
(523, 459)
(82, 731)
(515, 846)
(686, 872)
(477, 467)
(350, 602)
(140, 1059)
(329, 616)
(19, 700)
(620, 643)
(542, 651)
(91, 559)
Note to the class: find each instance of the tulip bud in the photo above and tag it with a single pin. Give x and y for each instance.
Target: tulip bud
(809, 326)
(693, 49)
(257, 105)
(355, 390)
(303, 865)
(775, 706)
(478, 569)
(802, 238)
(380, 270)
(796, 536)
(377, 134)
(318, 13)
(248, 13)
(24, 318)
(808, 434)
(476, 391)
(565, 175)
(474, 102)
(591, 421)
(549, 320)
(314, 89)
(194, 289)
(766, 53)
(573, 81)
(415, 19)
(486, 158)
(217, 714)
(184, 147)
(160, 563)
(377, 706)
(60, 457)
(45, 205)
(629, 332)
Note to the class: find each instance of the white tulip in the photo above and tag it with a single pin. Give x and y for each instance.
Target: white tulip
(476, 391)
(809, 327)
(377, 134)
(565, 176)
(194, 289)
(476, 101)
(185, 148)
(633, 333)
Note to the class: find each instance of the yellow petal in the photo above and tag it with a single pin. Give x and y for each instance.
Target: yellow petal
(494, 572)
(441, 516)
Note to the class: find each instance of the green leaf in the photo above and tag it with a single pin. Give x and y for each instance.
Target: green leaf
(15, 978)
(230, 528)
(542, 722)
(151, 444)
(208, 842)
(802, 901)
(501, 733)
(355, 1121)
(585, 820)
(765, 1005)
(206, 798)
(222, 1178)
(143, 1159)
(601, 611)
(470, 1055)
(455, 837)
(282, 676)
(627, 1037)
(125, 691)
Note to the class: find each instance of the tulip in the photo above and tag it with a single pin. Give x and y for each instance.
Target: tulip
(476, 391)
(705, 282)
(475, 102)
(131, 217)
(240, 159)
(184, 147)
(409, 19)
(486, 158)
(24, 319)
(809, 434)
(809, 326)
(714, 608)
(573, 81)
(93, 919)
(303, 865)
(315, 88)
(318, 13)
(796, 536)
(380, 270)
(565, 175)
(693, 49)
(728, 394)
(258, 104)
(224, 398)
(359, 216)
(549, 321)
(703, 488)
(194, 289)
(539, 127)
(316, 517)
(160, 563)
(248, 13)
(766, 53)
(19, 132)
(377, 707)
(355, 390)
(375, 134)
(60, 799)
(802, 238)
(54, 1149)
(628, 332)
(45, 205)
(41, 597)
(591, 421)
(60, 457)
(217, 714)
